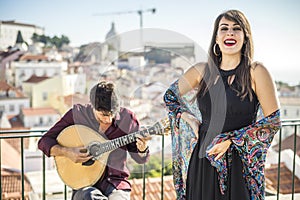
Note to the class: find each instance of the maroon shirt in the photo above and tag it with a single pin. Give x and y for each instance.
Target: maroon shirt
(124, 123)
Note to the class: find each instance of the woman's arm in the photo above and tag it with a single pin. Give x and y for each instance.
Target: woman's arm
(187, 82)
(264, 87)
(191, 78)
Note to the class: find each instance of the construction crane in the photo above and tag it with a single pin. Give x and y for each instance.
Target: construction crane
(139, 12)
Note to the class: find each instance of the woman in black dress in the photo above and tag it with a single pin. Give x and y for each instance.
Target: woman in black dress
(227, 161)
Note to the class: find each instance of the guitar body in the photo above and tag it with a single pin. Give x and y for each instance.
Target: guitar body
(77, 175)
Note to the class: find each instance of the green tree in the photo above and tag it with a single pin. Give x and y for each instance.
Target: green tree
(56, 41)
(64, 40)
(35, 37)
(152, 168)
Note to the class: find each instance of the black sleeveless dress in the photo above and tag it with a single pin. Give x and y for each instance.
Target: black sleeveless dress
(202, 181)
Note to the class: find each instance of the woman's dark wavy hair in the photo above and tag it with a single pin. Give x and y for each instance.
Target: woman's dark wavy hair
(103, 97)
(242, 76)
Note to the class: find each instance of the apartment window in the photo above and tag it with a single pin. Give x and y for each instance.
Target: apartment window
(285, 112)
(45, 96)
(50, 120)
(41, 121)
(11, 108)
(2, 94)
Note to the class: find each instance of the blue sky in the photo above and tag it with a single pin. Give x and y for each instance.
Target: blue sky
(275, 23)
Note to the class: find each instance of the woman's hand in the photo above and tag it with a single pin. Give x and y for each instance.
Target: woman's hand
(219, 149)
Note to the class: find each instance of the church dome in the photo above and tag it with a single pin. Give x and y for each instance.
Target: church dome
(112, 32)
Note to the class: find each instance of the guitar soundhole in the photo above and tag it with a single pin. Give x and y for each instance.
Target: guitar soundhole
(94, 149)
(83, 150)
(88, 163)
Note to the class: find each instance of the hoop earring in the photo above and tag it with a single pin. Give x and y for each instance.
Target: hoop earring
(215, 50)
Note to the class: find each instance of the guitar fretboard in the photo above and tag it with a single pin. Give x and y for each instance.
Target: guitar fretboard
(100, 148)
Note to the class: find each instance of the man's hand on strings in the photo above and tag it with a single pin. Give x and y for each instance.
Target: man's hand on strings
(78, 154)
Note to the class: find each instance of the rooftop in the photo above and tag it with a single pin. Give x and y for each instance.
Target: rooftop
(36, 79)
(39, 111)
(285, 186)
(9, 91)
(153, 188)
(288, 143)
(11, 185)
(33, 57)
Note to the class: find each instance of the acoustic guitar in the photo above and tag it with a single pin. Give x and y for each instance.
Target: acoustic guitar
(79, 175)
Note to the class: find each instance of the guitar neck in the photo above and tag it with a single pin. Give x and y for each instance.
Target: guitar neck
(111, 145)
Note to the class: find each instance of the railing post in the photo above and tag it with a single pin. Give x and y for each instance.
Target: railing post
(22, 167)
(65, 192)
(294, 161)
(144, 181)
(162, 167)
(44, 178)
(0, 171)
(279, 160)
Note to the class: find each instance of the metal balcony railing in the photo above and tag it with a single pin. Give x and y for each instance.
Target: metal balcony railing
(23, 134)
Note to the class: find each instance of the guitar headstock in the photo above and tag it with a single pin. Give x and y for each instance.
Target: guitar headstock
(165, 123)
(161, 127)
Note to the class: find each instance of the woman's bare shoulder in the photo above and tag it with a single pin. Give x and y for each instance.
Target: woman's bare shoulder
(258, 70)
(200, 66)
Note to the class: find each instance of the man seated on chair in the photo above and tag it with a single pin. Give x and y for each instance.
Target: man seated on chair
(105, 116)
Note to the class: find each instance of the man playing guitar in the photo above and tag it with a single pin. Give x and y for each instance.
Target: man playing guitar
(104, 116)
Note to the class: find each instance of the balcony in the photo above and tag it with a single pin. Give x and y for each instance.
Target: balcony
(282, 172)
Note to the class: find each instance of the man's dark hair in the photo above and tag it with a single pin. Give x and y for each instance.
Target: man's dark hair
(103, 97)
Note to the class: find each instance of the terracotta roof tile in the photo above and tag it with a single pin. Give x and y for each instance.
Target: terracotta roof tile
(285, 185)
(153, 188)
(11, 185)
(33, 57)
(39, 111)
(288, 143)
(36, 79)
(6, 87)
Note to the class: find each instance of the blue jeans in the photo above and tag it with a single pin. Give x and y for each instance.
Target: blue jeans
(92, 193)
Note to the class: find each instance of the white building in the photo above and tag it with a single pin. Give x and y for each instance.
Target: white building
(11, 99)
(290, 107)
(29, 65)
(39, 117)
(9, 31)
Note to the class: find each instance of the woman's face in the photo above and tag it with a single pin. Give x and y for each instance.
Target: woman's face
(230, 37)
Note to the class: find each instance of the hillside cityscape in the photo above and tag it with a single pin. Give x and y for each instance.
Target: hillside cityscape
(42, 77)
